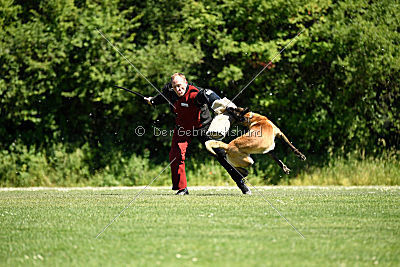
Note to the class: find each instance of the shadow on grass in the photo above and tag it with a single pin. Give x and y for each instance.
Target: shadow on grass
(215, 194)
(194, 194)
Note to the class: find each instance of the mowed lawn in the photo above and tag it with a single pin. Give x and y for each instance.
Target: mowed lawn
(343, 226)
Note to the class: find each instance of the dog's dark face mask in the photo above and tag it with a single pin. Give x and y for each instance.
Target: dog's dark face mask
(238, 113)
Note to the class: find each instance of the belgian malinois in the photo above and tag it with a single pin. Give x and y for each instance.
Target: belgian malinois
(260, 139)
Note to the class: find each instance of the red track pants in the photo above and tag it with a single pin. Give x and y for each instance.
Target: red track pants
(177, 155)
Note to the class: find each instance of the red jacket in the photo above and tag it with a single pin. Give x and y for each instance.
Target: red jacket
(186, 111)
(189, 112)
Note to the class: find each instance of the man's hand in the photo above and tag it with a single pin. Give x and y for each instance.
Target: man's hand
(148, 100)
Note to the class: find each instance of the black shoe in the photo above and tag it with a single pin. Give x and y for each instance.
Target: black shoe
(183, 192)
(242, 186)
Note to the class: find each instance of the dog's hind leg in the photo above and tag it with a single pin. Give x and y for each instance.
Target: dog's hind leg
(295, 150)
(242, 160)
(280, 163)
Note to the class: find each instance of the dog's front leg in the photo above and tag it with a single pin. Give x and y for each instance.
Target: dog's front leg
(280, 163)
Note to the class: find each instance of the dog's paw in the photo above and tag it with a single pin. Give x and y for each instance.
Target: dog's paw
(286, 169)
(300, 155)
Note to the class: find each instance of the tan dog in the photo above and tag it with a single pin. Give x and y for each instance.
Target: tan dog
(260, 139)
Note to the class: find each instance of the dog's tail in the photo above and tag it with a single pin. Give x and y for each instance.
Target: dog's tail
(210, 144)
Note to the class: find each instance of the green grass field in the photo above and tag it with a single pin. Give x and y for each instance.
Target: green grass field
(343, 226)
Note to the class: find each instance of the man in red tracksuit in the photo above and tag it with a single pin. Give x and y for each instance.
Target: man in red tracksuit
(190, 105)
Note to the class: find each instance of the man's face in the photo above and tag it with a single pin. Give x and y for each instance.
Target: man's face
(179, 85)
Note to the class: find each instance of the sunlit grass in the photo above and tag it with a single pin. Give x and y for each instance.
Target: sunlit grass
(209, 227)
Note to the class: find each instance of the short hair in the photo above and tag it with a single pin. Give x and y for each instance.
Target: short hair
(178, 74)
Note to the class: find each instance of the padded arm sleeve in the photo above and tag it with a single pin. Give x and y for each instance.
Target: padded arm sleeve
(206, 96)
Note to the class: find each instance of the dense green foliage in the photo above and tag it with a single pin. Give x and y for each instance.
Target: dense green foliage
(333, 91)
(215, 227)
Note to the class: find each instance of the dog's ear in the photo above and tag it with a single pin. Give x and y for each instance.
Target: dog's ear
(245, 110)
